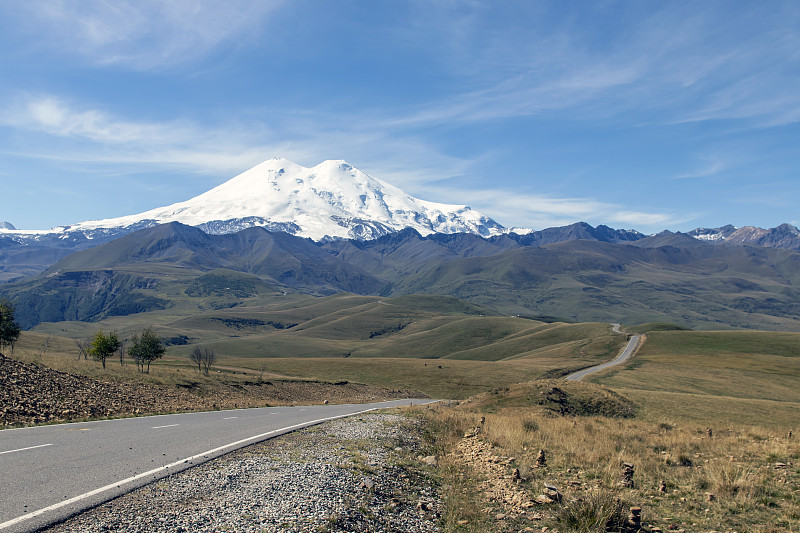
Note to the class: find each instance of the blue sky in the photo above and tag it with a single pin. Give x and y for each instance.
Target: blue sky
(645, 115)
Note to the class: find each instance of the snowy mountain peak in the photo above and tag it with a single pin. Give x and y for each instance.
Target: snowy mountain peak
(331, 200)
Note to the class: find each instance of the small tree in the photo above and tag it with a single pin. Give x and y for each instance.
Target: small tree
(103, 346)
(145, 349)
(9, 329)
(121, 351)
(203, 358)
(83, 347)
(196, 357)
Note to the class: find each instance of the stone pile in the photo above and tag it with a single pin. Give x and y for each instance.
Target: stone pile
(501, 482)
(626, 479)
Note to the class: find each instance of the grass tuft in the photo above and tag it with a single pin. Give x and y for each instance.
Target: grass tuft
(599, 512)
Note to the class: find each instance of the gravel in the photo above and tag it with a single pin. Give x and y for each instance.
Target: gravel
(354, 474)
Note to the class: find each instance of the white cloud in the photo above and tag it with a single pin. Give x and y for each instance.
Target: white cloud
(520, 209)
(96, 136)
(143, 34)
(710, 169)
(681, 63)
(93, 135)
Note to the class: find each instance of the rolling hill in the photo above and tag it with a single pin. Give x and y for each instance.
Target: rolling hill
(181, 270)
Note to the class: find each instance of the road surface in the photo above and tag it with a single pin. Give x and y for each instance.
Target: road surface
(626, 354)
(48, 473)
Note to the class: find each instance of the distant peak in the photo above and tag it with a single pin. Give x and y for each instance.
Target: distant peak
(7, 225)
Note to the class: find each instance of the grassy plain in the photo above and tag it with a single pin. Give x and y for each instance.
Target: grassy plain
(741, 478)
(440, 346)
(653, 413)
(743, 386)
(746, 377)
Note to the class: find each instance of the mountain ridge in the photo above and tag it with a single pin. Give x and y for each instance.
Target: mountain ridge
(698, 285)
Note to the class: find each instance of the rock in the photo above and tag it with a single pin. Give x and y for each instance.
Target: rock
(541, 460)
(552, 492)
(429, 460)
(541, 499)
(626, 479)
(500, 516)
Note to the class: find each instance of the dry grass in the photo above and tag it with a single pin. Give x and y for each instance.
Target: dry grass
(742, 478)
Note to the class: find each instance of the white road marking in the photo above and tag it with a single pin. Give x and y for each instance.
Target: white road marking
(169, 426)
(230, 417)
(28, 448)
(164, 468)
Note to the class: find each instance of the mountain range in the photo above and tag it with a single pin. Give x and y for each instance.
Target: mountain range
(181, 268)
(281, 228)
(330, 201)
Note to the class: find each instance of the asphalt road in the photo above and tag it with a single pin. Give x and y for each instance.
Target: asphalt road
(48, 473)
(624, 355)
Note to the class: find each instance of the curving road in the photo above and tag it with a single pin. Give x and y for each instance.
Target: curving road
(625, 354)
(48, 473)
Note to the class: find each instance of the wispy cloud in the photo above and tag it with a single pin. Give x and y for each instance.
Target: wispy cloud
(521, 209)
(229, 149)
(682, 63)
(94, 135)
(89, 134)
(711, 169)
(141, 34)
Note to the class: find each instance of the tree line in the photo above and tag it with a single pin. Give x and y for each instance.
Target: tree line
(144, 349)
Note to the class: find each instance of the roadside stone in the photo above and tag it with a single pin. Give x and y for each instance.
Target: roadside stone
(301, 482)
(429, 460)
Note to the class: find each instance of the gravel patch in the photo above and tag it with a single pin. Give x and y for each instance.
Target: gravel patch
(354, 474)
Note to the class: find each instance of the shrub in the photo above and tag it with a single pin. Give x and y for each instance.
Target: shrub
(599, 512)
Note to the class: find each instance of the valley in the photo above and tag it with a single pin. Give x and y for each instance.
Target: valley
(451, 307)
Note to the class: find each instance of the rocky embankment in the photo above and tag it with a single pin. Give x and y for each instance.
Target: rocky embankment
(30, 394)
(356, 474)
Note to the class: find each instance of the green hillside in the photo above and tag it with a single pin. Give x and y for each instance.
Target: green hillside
(739, 376)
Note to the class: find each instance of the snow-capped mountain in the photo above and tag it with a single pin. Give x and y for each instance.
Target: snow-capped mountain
(330, 200)
(784, 236)
(713, 235)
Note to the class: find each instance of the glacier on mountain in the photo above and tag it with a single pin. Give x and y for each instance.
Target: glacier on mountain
(329, 201)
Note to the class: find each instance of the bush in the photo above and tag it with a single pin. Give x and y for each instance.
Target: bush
(145, 349)
(599, 512)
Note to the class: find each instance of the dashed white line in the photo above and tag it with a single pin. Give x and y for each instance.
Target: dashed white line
(164, 468)
(28, 448)
(230, 417)
(168, 426)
